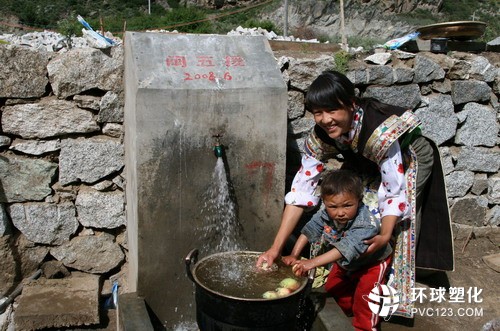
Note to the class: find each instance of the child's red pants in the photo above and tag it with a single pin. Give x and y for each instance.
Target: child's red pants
(348, 289)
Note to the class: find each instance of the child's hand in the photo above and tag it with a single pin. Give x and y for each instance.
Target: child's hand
(289, 260)
(301, 267)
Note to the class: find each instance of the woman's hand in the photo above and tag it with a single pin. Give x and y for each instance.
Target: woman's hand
(376, 243)
(268, 256)
(379, 241)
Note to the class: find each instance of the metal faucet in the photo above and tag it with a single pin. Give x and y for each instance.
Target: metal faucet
(218, 146)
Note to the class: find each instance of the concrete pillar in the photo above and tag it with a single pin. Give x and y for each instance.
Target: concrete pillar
(180, 90)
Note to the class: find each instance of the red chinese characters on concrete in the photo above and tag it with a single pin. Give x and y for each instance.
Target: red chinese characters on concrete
(176, 61)
(205, 61)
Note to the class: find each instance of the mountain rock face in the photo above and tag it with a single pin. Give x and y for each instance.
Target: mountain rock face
(363, 18)
(217, 3)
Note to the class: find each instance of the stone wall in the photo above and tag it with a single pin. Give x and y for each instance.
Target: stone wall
(456, 98)
(61, 163)
(62, 156)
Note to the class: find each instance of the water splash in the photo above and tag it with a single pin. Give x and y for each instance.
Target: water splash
(221, 230)
(187, 326)
(218, 83)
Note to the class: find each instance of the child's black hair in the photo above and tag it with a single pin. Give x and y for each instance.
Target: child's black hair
(341, 181)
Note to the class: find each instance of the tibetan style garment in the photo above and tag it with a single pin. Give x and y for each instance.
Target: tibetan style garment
(379, 130)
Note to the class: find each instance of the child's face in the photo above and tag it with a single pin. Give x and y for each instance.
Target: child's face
(341, 207)
(335, 122)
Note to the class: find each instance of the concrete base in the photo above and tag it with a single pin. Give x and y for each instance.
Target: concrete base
(331, 317)
(46, 303)
(181, 92)
(133, 314)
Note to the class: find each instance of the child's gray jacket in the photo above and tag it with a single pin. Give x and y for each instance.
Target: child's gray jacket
(349, 240)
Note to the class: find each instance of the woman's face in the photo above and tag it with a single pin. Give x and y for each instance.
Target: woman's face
(335, 122)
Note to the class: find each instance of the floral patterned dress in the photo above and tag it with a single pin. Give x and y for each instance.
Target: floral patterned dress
(390, 193)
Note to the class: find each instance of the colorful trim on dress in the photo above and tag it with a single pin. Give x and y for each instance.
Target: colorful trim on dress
(357, 120)
(316, 148)
(402, 273)
(387, 133)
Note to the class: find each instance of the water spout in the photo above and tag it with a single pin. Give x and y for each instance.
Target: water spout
(218, 150)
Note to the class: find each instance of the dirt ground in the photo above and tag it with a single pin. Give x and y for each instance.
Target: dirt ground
(470, 273)
(474, 276)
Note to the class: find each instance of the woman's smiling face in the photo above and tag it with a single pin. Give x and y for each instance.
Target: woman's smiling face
(335, 122)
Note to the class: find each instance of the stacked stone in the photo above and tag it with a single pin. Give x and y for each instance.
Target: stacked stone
(61, 163)
(62, 155)
(51, 41)
(270, 35)
(44, 41)
(456, 98)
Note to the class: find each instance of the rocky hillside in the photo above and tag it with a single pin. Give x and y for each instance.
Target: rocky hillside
(366, 21)
(373, 19)
(363, 18)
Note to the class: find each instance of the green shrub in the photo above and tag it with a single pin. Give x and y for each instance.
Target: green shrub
(418, 17)
(186, 15)
(341, 59)
(253, 23)
(366, 43)
(69, 28)
(173, 3)
(245, 18)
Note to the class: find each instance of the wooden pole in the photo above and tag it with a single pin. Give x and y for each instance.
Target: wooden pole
(342, 27)
(102, 25)
(285, 28)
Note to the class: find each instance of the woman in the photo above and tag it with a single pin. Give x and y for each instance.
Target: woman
(383, 144)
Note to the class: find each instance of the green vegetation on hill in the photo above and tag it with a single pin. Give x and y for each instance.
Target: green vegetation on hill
(116, 15)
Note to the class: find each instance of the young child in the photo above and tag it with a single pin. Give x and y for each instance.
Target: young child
(344, 225)
(400, 167)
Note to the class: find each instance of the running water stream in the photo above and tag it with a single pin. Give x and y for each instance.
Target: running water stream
(221, 229)
(232, 275)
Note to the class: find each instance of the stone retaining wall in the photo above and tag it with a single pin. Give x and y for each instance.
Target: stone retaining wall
(61, 163)
(62, 156)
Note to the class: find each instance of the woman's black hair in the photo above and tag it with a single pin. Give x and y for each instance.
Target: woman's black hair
(331, 90)
(341, 181)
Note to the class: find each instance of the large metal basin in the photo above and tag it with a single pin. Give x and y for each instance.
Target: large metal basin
(220, 310)
(460, 30)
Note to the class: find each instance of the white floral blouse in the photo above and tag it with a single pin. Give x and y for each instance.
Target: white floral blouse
(392, 190)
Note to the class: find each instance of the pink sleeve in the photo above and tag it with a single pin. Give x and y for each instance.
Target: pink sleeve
(303, 191)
